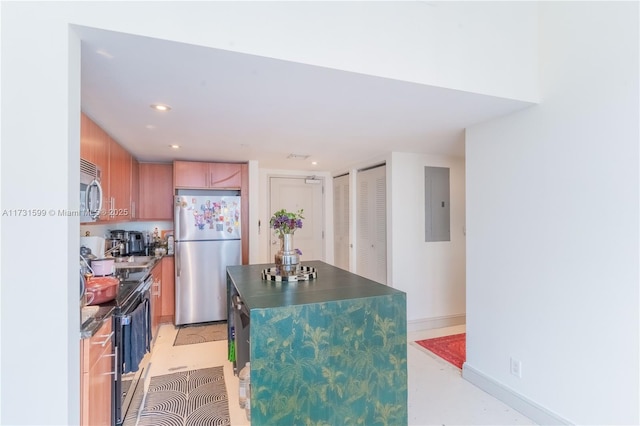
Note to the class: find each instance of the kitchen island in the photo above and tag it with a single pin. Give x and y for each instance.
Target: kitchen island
(331, 350)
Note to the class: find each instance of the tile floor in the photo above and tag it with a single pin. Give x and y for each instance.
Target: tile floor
(437, 393)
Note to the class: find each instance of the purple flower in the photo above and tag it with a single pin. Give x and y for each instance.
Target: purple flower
(285, 222)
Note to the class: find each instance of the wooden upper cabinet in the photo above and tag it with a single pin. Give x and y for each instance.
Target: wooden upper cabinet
(94, 147)
(135, 188)
(193, 174)
(119, 182)
(189, 174)
(94, 143)
(116, 167)
(155, 195)
(225, 175)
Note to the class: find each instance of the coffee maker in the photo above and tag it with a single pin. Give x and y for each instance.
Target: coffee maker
(132, 243)
(135, 243)
(117, 242)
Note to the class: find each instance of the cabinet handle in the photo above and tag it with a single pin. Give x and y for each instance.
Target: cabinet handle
(112, 372)
(105, 341)
(133, 210)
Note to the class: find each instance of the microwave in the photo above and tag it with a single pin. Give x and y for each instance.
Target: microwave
(90, 191)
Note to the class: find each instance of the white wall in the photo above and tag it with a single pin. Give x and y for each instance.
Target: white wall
(481, 47)
(40, 144)
(552, 226)
(431, 273)
(40, 130)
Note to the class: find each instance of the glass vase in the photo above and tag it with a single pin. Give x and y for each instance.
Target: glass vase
(287, 259)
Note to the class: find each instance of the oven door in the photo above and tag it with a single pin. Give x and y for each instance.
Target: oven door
(129, 378)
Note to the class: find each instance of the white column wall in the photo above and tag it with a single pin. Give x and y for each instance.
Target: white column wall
(431, 273)
(552, 226)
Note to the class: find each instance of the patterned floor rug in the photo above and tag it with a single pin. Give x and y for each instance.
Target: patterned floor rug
(195, 397)
(450, 348)
(209, 332)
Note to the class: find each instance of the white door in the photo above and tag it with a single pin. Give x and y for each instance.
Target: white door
(293, 194)
(341, 244)
(371, 229)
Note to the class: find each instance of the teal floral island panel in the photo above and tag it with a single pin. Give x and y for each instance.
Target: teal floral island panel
(340, 362)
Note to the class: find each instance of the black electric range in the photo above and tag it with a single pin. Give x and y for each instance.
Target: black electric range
(134, 290)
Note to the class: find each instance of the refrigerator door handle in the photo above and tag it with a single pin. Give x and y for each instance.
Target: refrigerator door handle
(178, 234)
(177, 257)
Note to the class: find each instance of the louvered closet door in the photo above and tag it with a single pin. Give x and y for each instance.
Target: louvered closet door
(371, 228)
(341, 246)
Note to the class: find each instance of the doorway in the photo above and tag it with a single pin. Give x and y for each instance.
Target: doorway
(299, 193)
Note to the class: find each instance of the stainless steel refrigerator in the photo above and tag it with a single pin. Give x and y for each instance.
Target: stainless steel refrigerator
(207, 240)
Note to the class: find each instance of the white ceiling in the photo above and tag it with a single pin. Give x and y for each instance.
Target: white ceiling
(229, 106)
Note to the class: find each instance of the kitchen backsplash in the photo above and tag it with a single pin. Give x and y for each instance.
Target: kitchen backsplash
(103, 229)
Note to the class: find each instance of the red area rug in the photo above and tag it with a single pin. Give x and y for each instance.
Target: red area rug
(450, 348)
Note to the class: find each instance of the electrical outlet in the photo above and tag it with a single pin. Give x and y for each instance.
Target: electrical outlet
(516, 367)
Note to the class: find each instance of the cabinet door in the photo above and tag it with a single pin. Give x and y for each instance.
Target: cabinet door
(93, 143)
(190, 174)
(156, 191)
(97, 379)
(119, 182)
(94, 147)
(156, 299)
(135, 188)
(168, 289)
(225, 175)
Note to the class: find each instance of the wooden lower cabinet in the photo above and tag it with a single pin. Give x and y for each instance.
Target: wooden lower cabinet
(96, 377)
(168, 290)
(156, 300)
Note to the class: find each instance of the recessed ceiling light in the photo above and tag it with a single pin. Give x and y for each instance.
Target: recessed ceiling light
(150, 126)
(174, 146)
(160, 107)
(315, 163)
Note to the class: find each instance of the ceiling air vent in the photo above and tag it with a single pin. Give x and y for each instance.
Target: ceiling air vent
(297, 156)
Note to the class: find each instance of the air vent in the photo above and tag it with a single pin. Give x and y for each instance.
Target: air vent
(88, 168)
(297, 156)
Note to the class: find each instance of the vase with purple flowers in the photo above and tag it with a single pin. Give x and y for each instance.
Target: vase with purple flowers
(284, 224)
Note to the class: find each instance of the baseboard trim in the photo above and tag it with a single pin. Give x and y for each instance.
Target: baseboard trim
(532, 410)
(437, 322)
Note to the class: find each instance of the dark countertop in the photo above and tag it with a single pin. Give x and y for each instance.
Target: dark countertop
(129, 282)
(331, 284)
